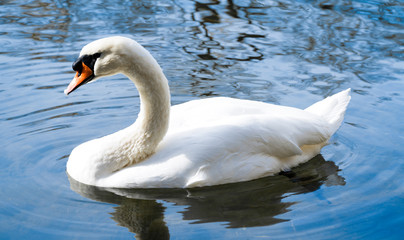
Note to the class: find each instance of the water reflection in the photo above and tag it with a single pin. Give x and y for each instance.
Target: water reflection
(290, 52)
(215, 44)
(248, 204)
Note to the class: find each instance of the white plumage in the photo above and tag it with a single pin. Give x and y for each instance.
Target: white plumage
(199, 143)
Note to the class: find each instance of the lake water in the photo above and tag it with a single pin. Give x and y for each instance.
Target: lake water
(281, 51)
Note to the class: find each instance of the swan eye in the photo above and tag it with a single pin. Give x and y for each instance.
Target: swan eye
(88, 60)
(96, 55)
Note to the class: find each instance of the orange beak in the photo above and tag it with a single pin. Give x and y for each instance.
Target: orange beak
(81, 78)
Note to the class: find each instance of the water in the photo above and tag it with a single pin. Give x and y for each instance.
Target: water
(284, 52)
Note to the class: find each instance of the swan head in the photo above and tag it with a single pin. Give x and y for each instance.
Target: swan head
(103, 57)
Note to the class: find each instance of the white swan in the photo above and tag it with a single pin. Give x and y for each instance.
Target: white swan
(199, 143)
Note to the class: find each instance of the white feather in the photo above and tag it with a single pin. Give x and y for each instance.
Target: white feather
(199, 143)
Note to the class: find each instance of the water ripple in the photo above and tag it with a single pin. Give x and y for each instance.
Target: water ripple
(285, 52)
(47, 109)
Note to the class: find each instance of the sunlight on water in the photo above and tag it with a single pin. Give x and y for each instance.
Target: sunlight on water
(285, 52)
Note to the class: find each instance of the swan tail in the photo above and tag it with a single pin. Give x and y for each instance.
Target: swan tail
(332, 108)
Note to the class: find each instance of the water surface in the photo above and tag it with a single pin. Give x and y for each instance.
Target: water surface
(283, 52)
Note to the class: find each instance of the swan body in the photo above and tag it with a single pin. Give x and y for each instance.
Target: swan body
(198, 143)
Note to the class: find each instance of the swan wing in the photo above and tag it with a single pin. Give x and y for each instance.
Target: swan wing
(282, 130)
(279, 136)
(244, 148)
(202, 111)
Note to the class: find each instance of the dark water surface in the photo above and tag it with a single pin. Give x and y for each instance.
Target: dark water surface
(283, 52)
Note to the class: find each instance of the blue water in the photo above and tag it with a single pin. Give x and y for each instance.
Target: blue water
(284, 52)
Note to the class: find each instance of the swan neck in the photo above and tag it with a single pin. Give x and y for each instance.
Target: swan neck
(152, 123)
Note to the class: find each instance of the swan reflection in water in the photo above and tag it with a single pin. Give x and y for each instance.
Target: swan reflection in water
(247, 204)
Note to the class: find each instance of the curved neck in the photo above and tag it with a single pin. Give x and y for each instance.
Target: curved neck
(138, 141)
(153, 119)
